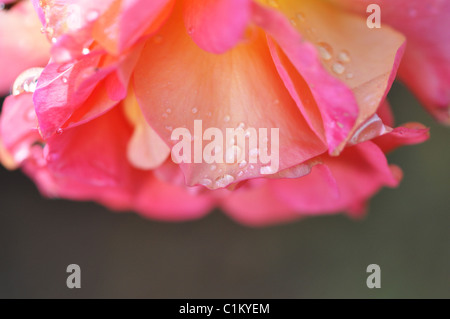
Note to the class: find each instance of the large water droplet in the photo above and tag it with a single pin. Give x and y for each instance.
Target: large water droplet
(27, 81)
(85, 51)
(325, 50)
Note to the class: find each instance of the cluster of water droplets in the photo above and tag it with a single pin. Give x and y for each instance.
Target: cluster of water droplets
(339, 60)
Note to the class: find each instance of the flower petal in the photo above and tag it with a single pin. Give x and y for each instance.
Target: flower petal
(216, 25)
(222, 91)
(425, 68)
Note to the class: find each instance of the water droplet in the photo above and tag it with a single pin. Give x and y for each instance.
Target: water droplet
(224, 180)
(85, 51)
(59, 131)
(241, 125)
(27, 81)
(344, 56)
(227, 118)
(54, 40)
(300, 17)
(243, 164)
(92, 15)
(64, 79)
(325, 50)
(265, 170)
(206, 182)
(338, 68)
(194, 110)
(213, 167)
(190, 31)
(254, 152)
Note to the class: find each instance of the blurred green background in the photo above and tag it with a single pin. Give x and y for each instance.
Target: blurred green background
(123, 255)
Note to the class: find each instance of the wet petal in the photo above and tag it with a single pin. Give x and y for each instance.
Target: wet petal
(216, 25)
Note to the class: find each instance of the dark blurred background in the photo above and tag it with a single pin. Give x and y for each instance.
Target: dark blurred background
(122, 255)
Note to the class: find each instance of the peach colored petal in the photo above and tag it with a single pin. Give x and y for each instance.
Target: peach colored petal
(223, 91)
(216, 25)
(353, 57)
(21, 44)
(425, 67)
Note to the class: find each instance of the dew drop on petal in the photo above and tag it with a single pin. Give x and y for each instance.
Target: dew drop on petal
(206, 182)
(325, 50)
(27, 81)
(300, 17)
(224, 181)
(265, 170)
(338, 68)
(344, 56)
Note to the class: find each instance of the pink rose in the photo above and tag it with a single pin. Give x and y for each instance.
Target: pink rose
(124, 74)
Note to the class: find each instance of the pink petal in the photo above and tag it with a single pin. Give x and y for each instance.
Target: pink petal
(216, 25)
(21, 44)
(88, 162)
(408, 134)
(255, 204)
(18, 126)
(340, 183)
